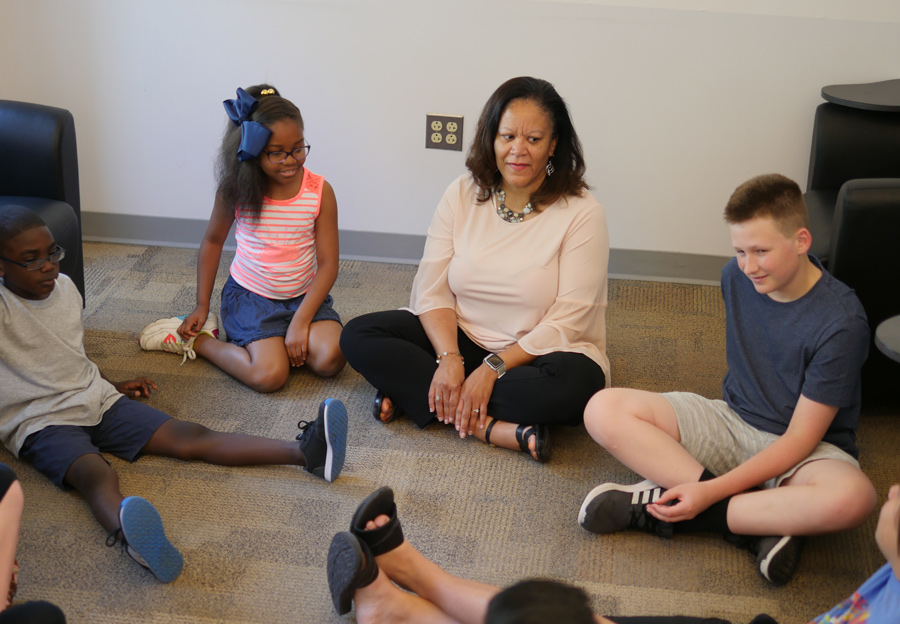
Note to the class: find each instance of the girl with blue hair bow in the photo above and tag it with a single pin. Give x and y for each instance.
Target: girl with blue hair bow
(276, 309)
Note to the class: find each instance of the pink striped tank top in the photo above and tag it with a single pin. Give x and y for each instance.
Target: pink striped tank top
(276, 248)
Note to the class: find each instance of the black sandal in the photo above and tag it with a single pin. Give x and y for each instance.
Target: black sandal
(382, 539)
(351, 566)
(376, 408)
(541, 441)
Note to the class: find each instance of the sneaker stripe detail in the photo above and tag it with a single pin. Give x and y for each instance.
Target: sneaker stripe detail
(647, 496)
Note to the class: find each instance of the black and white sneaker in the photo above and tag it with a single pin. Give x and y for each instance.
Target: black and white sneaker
(612, 507)
(324, 441)
(777, 557)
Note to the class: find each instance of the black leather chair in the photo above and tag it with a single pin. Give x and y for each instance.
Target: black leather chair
(853, 195)
(863, 255)
(848, 144)
(39, 170)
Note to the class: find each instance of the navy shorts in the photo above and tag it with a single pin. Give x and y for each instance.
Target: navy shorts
(248, 317)
(124, 430)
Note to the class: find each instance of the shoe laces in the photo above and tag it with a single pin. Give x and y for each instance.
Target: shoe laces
(641, 518)
(305, 427)
(188, 350)
(116, 537)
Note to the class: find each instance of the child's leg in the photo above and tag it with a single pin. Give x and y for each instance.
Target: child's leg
(92, 477)
(190, 441)
(263, 365)
(823, 496)
(325, 358)
(640, 429)
(382, 602)
(11, 506)
(462, 599)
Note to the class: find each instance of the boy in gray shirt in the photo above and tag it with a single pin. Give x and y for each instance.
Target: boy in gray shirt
(59, 412)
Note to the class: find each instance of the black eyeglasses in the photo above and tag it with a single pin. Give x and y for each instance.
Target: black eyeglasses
(276, 158)
(38, 263)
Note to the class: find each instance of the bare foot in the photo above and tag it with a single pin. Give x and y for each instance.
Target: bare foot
(382, 601)
(387, 410)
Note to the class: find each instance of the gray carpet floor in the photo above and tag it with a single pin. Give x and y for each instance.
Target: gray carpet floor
(255, 539)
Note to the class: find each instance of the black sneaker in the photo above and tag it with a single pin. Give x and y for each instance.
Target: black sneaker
(324, 441)
(611, 507)
(777, 557)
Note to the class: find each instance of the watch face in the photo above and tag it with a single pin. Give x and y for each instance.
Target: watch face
(494, 361)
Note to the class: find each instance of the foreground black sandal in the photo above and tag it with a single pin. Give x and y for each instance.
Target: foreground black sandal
(385, 538)
(350, 566)
(541, 435)
(376, 408)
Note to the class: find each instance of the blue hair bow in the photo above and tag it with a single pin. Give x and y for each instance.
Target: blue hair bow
(254, 135)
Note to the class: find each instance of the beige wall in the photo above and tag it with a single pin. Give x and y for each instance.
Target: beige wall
(675, 106)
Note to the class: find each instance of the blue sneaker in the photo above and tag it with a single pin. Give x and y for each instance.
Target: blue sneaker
(324, 441)
(145, 540)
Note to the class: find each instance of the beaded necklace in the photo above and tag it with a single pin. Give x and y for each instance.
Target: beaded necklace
(508, 215)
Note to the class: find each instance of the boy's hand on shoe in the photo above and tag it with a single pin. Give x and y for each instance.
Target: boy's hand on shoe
(682, 502)
(136, 388)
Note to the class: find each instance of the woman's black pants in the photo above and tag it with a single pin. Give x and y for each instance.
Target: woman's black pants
(392, 351)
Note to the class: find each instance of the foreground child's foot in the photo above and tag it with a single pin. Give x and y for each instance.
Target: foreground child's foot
(323, 442)
(611, 507)
(351, 566)
(145, 540)
(383, 537)
(163, 335)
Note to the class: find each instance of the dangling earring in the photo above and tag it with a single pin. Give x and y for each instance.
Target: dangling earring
(550, 167)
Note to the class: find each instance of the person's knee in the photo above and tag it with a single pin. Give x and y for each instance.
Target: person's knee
(184, 439)
(852, 504)
(90, 473)
(14, 497)
(327, 364)
(350, 334)
(266, 377)
(603, 413)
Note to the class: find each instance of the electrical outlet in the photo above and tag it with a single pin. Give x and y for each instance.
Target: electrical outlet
(444, 132)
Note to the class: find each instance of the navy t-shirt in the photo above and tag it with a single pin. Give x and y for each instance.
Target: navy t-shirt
(814, 346)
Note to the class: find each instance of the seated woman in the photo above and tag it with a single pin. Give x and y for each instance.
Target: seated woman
(506, 328)
(366, 565)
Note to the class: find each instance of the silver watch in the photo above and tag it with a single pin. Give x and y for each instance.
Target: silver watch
(496, 363)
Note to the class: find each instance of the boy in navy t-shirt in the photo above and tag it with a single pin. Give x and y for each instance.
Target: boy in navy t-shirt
(777, 458)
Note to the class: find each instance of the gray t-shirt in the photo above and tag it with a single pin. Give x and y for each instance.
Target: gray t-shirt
(45, 376)
(814, 346)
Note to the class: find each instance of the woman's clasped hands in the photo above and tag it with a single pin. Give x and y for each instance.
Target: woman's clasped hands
(460, 400)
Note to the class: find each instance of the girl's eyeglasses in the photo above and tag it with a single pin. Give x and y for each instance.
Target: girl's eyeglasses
(276, 158)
